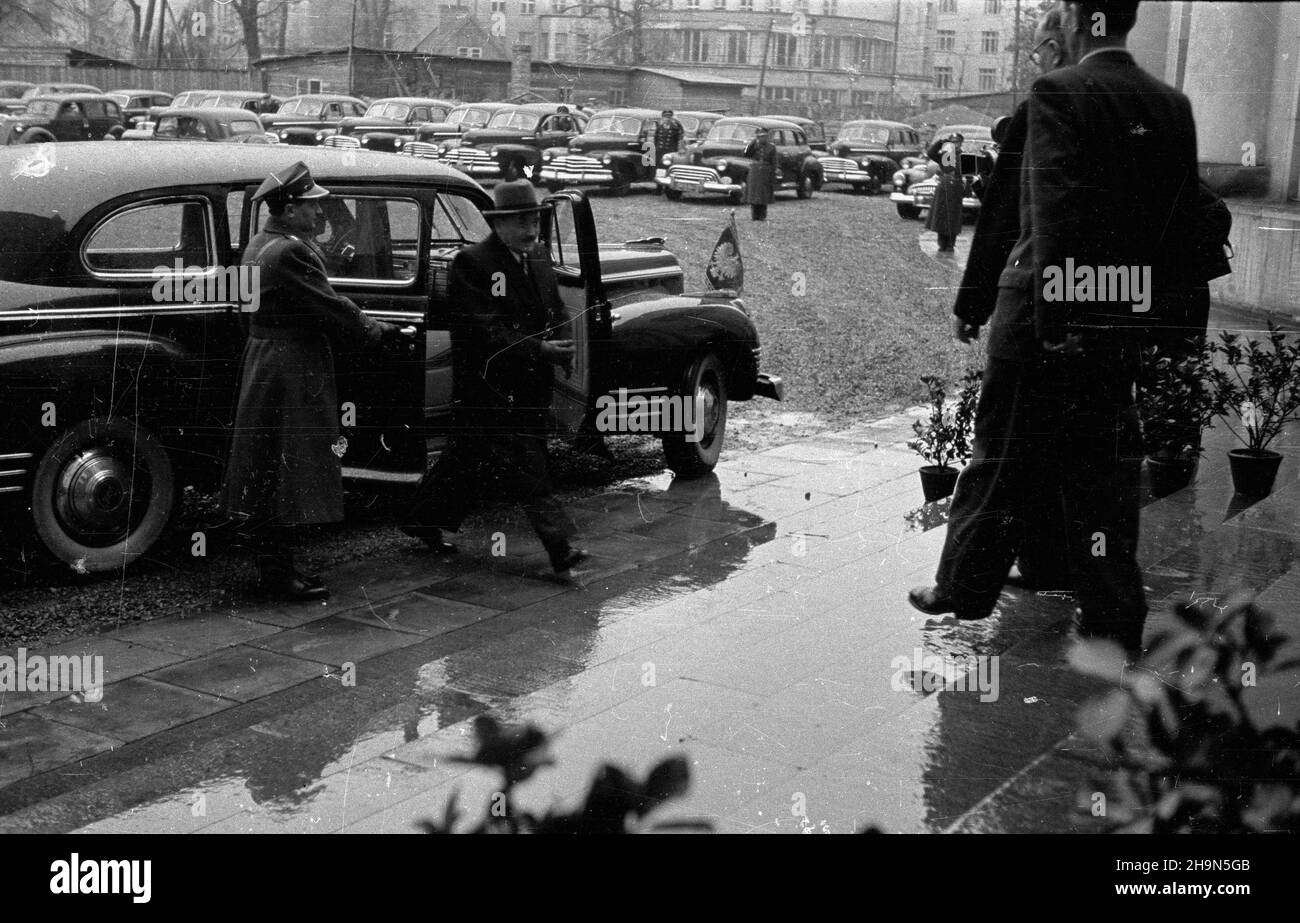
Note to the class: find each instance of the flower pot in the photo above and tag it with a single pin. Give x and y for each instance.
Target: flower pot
(1168, 475)
(937, 481)
(1253, 472)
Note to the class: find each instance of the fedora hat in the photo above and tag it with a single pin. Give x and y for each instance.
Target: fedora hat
(516, 197)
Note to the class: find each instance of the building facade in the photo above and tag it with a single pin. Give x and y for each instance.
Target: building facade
(972, 45)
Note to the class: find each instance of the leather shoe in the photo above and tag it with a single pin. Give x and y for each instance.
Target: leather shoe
(432, 539)
(929, 600)
(296, 588)
(571, 559)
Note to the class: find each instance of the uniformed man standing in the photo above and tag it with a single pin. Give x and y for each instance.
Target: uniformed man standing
(507, 338)
(285, 465)
(760, 186)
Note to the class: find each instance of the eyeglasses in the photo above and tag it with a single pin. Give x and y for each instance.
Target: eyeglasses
(1038, 58)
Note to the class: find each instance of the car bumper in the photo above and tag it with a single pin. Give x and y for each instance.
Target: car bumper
(856, 177)
(577, 177)
(698, 186)
(905, 198)
(770, 386)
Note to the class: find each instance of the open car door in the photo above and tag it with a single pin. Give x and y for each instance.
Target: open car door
(569, 232)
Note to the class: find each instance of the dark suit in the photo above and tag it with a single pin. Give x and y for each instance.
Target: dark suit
(1109, 180)
(502, 393)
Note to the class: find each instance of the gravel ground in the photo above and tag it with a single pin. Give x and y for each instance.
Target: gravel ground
(850, 313)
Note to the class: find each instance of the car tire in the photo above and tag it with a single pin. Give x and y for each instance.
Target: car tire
(621, 185)
(104, 492)
(804, 187)
(737, 197)
(706, 380)
(908, 211)
(674, 195)
(35, 136)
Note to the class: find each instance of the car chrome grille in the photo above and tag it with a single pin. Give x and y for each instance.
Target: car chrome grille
(422, 149)
(467, 155)
(839, 164)
(576, 162)
(342, 141)
(693, 174)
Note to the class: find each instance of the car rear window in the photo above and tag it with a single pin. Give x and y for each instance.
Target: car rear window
(149, 236)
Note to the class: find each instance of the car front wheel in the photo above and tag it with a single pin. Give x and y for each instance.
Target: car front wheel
(908, 211)
(804, 188)
(104, 493)
(35, 136)
(707, 390)
(674, 195)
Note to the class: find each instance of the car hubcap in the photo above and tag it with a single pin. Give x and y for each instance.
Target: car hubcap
(710, 409)
(93, 496)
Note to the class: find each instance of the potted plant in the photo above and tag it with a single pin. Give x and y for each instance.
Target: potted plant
(946, 436)
(1175, 403)
(1258, 384)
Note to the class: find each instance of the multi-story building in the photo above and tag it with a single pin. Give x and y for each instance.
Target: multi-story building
(972, 46)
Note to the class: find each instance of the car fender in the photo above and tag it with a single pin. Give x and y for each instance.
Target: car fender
(655, 337)
(525, 151)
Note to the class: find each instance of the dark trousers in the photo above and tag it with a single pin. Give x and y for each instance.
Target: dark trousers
(758, 212)
(947, 242)
(477, 467)
(1056, 448)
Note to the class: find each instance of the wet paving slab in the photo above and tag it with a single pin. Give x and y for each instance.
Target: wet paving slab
(754, 621)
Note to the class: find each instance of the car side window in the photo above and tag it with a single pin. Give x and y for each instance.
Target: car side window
(334, 111)
(69, 111)
(368, 238)
(562, 237)
(148, 239)
(419, 114)
(167, 127)
(457, 221)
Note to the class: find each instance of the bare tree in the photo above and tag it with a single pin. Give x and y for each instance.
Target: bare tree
(629, 22)
(372, 22)
(15, 14)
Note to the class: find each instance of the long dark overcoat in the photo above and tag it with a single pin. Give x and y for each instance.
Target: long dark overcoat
(945, 211)
(760, 187)
(282, 465)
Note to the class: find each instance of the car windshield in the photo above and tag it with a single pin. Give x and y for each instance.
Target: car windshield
(222, 102)
(523, 121)
(874, 134)
(300, 107)
(120, 98)
(731, 132)
(188, 98)
(615, 125)
(12, 92)
(42, 107)
(388, 111)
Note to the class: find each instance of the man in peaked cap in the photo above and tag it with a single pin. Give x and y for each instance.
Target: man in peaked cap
(507, 314)
(285, 464)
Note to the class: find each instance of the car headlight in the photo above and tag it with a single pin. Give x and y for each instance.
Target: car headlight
(606, 160)
(284, 133)
(493, 152)
(725, 180)
(320, 136)
(667, 160)
(546, 155)
(721, 165)
(900, 178)
(365, 139)
(399, 142)
(18, 129)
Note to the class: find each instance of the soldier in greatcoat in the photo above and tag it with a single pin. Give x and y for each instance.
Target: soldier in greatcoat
(945, 211)
(285, 465)
(509, 333)
(760, 186)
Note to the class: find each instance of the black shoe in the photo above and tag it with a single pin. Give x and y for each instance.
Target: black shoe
(572, 558)
(294, 587)
(929, 600)
(432, 539)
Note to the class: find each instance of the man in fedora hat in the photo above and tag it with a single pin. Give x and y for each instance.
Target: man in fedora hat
(507, 315)
(285, 464)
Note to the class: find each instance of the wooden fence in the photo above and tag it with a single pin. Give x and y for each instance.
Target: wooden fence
(164, 79)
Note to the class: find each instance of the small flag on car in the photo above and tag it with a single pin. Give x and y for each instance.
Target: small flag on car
(726, 269)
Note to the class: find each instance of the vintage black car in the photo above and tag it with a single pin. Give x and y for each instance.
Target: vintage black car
(74, 117)
(254, 101)
(813, 130)
(614, 150)
(122, 321)
(389, 123)
(868, 152)
(432, 139)
(511, 144)
(717, 165)
(310, 119)
(915, 183)
(135, 104)
(60, 89)
(196, 123)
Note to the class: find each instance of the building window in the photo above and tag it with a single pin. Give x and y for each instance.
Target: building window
(747, 6)
(696, 46)
(581, 45)
(946, 40)
(692, 4)
(947, 6)
(784, 49)
(943, 78)
(737, 48)
(774, 6)
(988, 79)
(833, 7)
(526, 38)
(989, 43)
(543, 49)
(778, 94)
(801, 5)
(561, 40)
(817, 51)
(528, 7)
(719, 4)
(615, 96)
(498, 6)
(992, 7)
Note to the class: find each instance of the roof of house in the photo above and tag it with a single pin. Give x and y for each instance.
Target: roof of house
(691, 77)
